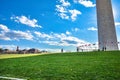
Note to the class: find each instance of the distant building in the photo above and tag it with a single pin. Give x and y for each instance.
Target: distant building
(33, 50)
(6, 51)
(24, 51)
(17, 48)
(43, 51)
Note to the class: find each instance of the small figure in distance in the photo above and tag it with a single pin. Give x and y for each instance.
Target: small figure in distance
(105, 48)
(77, 49)
(61, 50)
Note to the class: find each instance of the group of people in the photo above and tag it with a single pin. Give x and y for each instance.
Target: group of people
(104, 49)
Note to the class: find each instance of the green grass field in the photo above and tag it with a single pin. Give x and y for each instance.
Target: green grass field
(64, 66)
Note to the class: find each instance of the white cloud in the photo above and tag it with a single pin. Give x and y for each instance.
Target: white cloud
(50, 42)
(61, 9)
(51, 36)
(43, 35)
(63, 16)
(15, 35)
(3, 37)
(92, 29)
(59, 36)
(74, 14)
(59, 39)
(54, 39)
(64, 12)
(3, 27)
(86, 3)
(10, 47)
(75, 29)
(68, 33)
(38, 34)
(26, 21)
(65, 3)
(117, 23)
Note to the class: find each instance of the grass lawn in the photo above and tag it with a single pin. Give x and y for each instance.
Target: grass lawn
(3, 56)
(64, 66)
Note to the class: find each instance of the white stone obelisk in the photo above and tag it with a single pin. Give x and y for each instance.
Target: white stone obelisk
(106, 26)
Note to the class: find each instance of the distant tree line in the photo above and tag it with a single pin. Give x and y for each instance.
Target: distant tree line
(24, 51)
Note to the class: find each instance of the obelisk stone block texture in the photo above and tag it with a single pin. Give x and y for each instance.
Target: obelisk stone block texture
(106, 26)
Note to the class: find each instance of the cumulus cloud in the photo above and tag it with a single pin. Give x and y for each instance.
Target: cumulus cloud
(54, 39)
(43, 35)
(3, 37)
(70, 40)
(15, 35)
(4, 28)
(92, 29)
(25, 20)
(65, 3)
(63, 16)
(86, 3)
(74, 14)
(68, 33)
(62, 9)
(64, 12)
(59, 39)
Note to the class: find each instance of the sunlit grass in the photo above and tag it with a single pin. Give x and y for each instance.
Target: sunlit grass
(64, 66)
(3, 56)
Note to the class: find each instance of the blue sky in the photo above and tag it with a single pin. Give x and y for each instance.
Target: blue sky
(50, 24)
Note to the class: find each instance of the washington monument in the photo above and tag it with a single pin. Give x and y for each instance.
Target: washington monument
(106, 26)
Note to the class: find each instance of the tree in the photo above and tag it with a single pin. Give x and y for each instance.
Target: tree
(1, 50)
